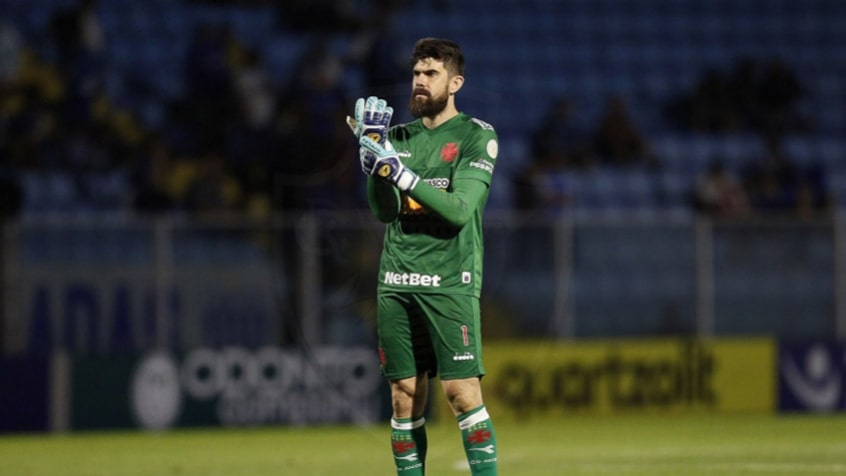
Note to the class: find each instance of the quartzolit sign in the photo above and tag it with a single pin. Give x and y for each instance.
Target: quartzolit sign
(630, 376)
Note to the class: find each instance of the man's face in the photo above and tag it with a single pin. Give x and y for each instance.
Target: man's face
(430, 88)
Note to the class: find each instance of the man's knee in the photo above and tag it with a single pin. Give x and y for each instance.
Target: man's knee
(463, 395)
(402, 396)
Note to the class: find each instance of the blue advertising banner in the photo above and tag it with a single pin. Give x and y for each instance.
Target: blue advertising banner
(24, 394)
(812, 376)
(106, 310)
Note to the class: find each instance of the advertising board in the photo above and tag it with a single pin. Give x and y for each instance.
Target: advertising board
(538, 379)
(231, 386)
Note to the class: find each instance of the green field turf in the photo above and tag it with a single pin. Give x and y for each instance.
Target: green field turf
(684, 446)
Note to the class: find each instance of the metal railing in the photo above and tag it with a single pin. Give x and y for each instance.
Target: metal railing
(101, 286)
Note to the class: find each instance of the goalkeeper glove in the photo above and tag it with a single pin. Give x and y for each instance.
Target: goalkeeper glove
(367, 159)
(388, 166)
(372, 119)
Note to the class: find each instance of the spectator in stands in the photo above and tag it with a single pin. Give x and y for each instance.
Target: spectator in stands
(328, 16)
(708, 108)
(211, 100)
(212, 190)
(30, 102)
(719, 195)
(754, 97)
(79, 41)
(771, 180)
(812, 199)
(742, 95)
(315, 169)
(151, 178)
(251, 134)
(617, 140)
(11, 45)
(76, 32)
(332, 16)
(255, 92)
(11, 194)
(779, 92)
(384, 65)
(558, 144)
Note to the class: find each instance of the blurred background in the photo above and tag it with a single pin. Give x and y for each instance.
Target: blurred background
(177, 176)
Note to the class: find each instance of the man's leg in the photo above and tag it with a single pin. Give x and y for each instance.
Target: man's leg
(408, 431)
(477, 430)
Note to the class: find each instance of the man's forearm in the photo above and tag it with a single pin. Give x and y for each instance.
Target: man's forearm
(456, 207)
(383, 199)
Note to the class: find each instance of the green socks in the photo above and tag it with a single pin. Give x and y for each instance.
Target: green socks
(409, 445)
(477, 433)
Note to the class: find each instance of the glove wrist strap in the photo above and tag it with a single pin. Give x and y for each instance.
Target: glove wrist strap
(407, 180)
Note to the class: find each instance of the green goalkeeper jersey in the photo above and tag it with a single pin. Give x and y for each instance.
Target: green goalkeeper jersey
(425, 250)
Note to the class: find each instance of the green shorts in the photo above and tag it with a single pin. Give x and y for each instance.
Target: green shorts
(434, 333)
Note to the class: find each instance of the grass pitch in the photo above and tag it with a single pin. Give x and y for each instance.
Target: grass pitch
(657, 445)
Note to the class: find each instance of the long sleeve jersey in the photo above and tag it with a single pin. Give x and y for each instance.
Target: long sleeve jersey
(433, 240)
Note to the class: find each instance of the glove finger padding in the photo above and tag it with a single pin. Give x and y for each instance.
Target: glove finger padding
(372, 119)
(372, 104)
(359, 112)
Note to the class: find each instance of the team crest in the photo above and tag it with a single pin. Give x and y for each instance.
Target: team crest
(449, 152)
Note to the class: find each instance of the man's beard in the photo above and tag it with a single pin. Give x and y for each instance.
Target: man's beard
(428, 107)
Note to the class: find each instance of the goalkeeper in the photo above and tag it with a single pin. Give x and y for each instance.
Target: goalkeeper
(429, 180)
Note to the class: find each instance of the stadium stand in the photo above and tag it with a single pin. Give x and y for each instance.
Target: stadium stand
(519, 55)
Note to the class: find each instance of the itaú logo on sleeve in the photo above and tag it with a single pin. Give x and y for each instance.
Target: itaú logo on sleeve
(412, 279)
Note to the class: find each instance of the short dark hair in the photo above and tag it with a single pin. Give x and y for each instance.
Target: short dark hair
(440, 49)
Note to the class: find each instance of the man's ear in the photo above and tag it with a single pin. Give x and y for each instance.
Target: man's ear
(455, 83)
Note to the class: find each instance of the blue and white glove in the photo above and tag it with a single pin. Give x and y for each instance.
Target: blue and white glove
(367, 159)
(372, 119)
(387, 165)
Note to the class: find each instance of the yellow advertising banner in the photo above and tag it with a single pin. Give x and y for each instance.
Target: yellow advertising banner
(539, 379)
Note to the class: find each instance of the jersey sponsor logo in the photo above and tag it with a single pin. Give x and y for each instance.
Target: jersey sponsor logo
(412, 279)
(449, 152)
(411, 206)
(439, 183)
(483, 164)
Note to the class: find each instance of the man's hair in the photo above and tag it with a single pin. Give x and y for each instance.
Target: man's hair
(446, 51)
